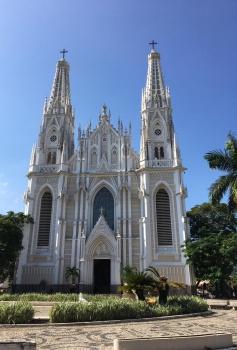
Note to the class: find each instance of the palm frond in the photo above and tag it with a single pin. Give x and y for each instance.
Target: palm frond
(218, 189)
(153, 270)
(218, 159)
(232, 144)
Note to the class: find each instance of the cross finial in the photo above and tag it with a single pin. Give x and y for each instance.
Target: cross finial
(153, 43)
(101, 211)
(63, 52)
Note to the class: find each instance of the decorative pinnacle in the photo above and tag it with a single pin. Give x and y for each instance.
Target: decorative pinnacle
(153, 43)
(63, 52)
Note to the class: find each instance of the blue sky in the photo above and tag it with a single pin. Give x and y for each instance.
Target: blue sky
(108, 43)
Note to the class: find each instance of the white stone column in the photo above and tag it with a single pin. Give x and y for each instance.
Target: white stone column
(62, 251)
(129, 223)
(74, 233)
(57, 247)
(79, 236)
(73, 242)
(141, 242)
(124, 228)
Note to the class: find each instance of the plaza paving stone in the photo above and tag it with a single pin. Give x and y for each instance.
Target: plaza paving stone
(100, 336)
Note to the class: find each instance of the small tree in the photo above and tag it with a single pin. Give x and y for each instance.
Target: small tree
(212, 247)
(11, 234)
(136, 281)
(225, 161)
(159, 280)
(73, 273)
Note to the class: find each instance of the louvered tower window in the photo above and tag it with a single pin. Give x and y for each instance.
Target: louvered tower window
(45, 220)
(163, 222)
(162, 154)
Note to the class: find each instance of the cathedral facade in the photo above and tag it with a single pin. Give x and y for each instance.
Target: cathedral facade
(104, 206)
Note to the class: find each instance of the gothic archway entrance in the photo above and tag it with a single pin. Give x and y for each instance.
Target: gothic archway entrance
(102, 269)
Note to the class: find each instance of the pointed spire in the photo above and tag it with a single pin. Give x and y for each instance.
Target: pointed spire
(33, 154)
(154, 94)
(60, 96)
(45, 104)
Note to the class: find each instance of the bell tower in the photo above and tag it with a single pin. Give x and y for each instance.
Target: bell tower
(157, 136)
(163, 223)
(56, 136)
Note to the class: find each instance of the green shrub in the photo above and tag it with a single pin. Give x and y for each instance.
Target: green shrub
(188, 304)
(57, 297)
(16, 312)
(99, 307)
(109, 309)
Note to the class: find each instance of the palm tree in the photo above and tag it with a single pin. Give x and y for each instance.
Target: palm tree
(137, 281)
(159, 279)
(224, 161)
(74, 273)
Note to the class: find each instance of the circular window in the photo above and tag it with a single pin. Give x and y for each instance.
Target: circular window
(157, 131)
(53, 138)
(104, 139)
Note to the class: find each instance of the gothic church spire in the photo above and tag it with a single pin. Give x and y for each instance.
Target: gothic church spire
(56, 138)
(155, 94)
(60, 96)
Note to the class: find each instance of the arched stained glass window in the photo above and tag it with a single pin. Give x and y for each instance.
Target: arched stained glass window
(45, 220)
(104, 200)
(163, 219)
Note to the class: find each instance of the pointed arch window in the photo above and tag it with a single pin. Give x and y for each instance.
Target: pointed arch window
(114, 155)
(156, 153)
(94, 156)
(54, 158)
(49, 158)
(104, 145)
(45, 220)
(162, 154)
(163, 218)
(104, 199)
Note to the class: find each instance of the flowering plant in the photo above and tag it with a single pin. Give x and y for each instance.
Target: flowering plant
(163, 278)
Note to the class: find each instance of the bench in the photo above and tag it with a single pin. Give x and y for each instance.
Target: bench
(194, 342)
(17, 346)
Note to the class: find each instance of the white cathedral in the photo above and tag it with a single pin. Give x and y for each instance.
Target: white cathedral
(104, 206)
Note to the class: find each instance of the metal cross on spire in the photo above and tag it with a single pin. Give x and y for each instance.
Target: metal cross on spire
(153, 43)
(63, 52)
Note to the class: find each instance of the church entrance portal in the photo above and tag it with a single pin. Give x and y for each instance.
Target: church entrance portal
(101, 276)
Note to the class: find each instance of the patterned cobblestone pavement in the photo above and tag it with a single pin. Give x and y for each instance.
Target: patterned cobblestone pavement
(101, 336)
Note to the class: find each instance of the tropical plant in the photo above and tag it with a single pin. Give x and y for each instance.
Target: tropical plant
(11, 234)
(159, 279)
(119, 309)
(137, 281)
(73, 273)
(225, 161)
(212, 245)
(188, 304)
(16, 312)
